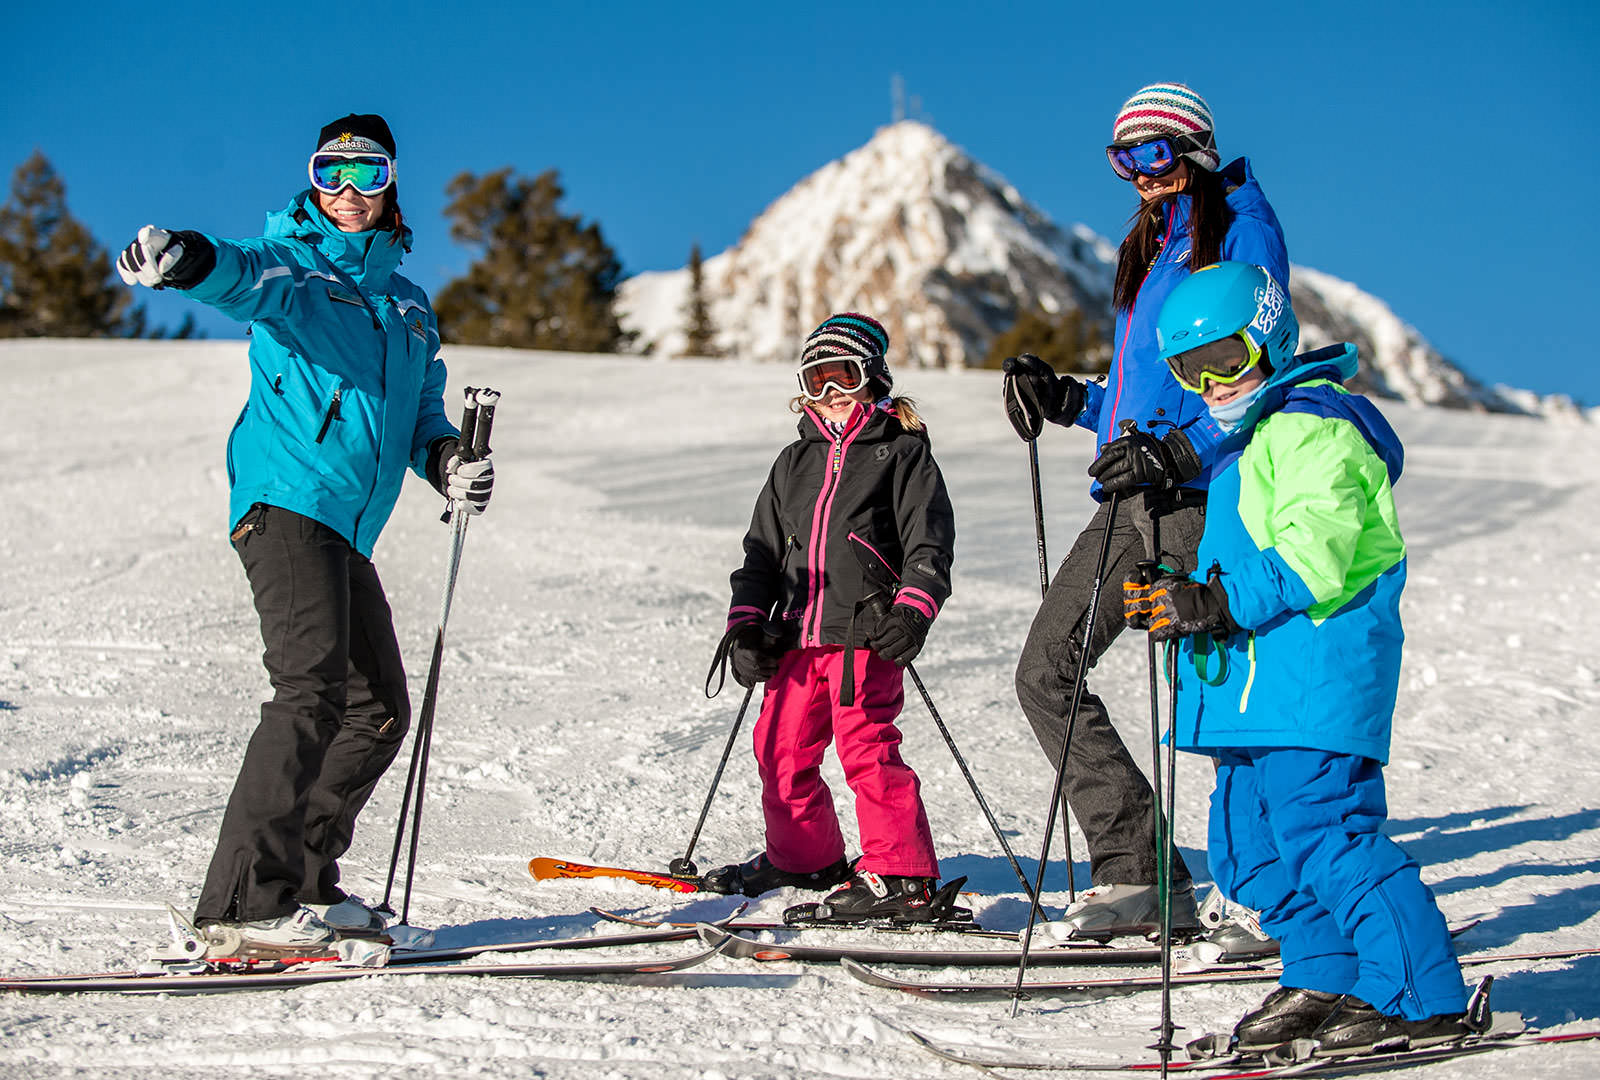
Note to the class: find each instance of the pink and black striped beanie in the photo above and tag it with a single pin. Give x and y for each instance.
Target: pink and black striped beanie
(851, 334)
(1169, 109)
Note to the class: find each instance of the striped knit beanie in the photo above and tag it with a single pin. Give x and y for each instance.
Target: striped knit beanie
(1169, 109)
(851, 334)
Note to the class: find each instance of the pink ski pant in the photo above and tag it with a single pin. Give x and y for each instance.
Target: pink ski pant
(800, 715)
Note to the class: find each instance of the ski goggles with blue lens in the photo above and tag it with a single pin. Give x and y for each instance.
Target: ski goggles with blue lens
(846, 374)
(369, 174)
(1153, 157)
(1222, 362)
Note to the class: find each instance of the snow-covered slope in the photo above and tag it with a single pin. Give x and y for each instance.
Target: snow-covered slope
(947, 253)
(571, 721)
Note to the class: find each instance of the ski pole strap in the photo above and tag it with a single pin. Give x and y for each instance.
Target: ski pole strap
(719, 659)
(469, 427)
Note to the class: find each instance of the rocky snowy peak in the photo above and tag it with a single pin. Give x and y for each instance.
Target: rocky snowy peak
(908, 228)
(948, 254)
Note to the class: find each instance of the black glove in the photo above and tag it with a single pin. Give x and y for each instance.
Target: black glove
(1139, 460)
(753, 656)
(899, 634)
(1034, 393)
(1177, 606)
(157, 259)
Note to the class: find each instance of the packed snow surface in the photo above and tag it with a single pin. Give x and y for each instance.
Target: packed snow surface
(572, 722)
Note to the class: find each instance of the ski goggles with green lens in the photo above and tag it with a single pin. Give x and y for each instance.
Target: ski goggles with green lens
(369, 174)
(846, 374)
(1152, 157)
(1223, 362)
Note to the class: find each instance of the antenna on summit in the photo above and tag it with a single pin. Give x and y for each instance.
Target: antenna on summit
(897, 97)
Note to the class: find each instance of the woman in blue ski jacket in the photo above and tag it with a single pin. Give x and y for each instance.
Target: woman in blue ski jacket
(345, 395)
(1156, 442)
(1288, 670)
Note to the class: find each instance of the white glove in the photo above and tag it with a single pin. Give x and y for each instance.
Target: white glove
(150, 259)
(469, 484)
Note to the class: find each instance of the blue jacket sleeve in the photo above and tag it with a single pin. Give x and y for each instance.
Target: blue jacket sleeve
(432, 423)
(1094, 395)
(253, 279)
(1252, 241)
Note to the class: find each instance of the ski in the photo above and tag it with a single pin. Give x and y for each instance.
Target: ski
(1095, 989)
(550, 869)
(303, 973)
(1238, 1068)
(1066, 990)
(802, 952)
(966, 929)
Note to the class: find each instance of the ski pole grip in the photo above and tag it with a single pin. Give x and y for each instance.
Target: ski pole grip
(469, 423)
(487, 400)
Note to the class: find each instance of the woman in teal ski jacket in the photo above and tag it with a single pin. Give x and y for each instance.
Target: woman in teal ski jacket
(346, 383)
(345, 395)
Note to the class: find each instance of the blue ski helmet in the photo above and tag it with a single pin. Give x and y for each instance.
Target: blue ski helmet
(1224, 299)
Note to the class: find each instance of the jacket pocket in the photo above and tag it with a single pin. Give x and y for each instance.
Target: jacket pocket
(332, 413)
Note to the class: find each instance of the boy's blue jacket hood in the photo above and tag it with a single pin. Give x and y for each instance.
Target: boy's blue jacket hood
(345, 382)
(1139, 386)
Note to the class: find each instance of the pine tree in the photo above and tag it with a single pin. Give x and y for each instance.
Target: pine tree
(55, 281)
(700, 333)
(1066, 340)
(542, 280)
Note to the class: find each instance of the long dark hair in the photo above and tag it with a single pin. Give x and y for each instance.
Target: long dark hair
(1209, 218)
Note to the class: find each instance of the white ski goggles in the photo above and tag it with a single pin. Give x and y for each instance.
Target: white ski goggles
(846, 374)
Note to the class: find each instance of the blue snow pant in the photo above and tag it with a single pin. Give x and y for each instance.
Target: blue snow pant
(1295, 835)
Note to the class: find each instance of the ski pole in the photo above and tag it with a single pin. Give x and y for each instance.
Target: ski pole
(1066, 745)
(477, 421)
(961, 763)
(685, 866)
(1164, 1045)
(1044, 590)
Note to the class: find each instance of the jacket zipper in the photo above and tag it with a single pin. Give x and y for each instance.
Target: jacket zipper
(1250, 680)
(332, 415)
(811, 629)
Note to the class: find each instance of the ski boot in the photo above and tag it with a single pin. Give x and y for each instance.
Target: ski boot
(1358, 1028)
(885, 898)
(1288, 1013)
(758, 875)
(299, 933)
(1232, 932)
(350, 917)
(1109, 911)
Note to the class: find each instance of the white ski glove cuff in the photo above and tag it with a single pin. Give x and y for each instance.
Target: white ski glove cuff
(469, 483)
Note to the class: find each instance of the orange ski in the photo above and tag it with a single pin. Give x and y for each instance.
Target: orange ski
(545, 869)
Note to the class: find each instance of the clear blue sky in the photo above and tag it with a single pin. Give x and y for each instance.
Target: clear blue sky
(1439, 155)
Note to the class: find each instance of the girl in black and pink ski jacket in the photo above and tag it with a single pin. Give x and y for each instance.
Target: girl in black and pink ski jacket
(846, 565)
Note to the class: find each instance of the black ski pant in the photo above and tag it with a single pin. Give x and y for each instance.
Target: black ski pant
(338, 714)
(1107, 794)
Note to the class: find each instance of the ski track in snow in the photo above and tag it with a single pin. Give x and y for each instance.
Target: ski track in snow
(571, 720)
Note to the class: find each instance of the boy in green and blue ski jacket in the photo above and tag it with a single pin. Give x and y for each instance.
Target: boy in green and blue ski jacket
(1289, 663)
